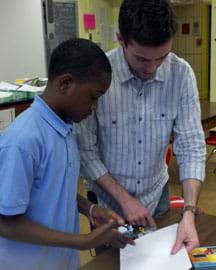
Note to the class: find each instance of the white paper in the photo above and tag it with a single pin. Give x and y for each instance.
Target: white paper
(8, 86)
(152, 252)
(5, 94)
(29, 88)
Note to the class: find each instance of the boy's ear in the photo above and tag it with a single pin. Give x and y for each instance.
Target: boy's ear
(65, 82)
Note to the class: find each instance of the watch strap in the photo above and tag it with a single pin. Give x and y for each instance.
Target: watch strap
(191, 208)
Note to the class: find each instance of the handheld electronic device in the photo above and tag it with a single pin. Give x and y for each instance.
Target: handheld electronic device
(134, 232)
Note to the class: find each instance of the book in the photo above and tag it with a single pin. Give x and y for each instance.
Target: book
(204, 258)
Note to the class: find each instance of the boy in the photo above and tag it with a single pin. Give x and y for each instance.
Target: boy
(39, 168)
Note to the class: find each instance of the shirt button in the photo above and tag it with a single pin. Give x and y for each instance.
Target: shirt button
(140, 141)
(138, 182)
(140, 118)
(140, 94)
(113, 122)
(139, 162)
(162, 115)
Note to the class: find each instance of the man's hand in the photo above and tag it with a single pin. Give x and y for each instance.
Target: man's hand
(134, 211)
(136, 214)
(186, 234)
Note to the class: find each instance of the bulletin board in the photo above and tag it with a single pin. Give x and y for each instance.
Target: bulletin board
(65, 18)
(61, 23)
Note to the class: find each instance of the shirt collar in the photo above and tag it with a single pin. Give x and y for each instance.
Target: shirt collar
(160, 73)
(51, 117)
(123, 69)
(125, 74)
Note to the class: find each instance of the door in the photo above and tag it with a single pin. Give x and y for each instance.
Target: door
(60, 22)
(213, 54)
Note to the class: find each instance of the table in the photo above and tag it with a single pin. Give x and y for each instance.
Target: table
(208, 114)
(19, 100)
(19, 106)
(206, 227)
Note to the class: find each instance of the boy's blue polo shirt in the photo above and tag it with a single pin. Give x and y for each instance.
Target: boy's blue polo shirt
(39, 169)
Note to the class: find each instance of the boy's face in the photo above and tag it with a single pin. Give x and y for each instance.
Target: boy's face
(81, 98)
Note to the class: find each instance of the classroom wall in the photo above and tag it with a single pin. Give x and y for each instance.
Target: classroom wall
(187, 45)
(205, 85)
(213, 54)
(22, 48)
(17, 35)
(103, 11)
(116, 5)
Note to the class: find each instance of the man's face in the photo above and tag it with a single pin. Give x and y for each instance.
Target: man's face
(82, 99)
(144, 60)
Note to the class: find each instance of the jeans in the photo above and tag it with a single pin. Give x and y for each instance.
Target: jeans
(163, 204)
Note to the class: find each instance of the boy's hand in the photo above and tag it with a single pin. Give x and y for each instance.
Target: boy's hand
(102, 216)
(107, 234)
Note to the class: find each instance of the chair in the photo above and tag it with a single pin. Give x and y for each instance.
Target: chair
(176, 201)
(211, 140)
(168, 155)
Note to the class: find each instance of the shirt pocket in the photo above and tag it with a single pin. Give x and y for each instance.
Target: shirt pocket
(114, 132)
(161, 125)
(113, 120)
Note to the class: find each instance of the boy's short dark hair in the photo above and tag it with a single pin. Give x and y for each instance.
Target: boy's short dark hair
(147, 22)
(83, 59)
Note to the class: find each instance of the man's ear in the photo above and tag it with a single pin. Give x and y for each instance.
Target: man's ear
(66, 82)
(120, 39)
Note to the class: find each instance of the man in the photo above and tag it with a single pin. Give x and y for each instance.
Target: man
(39, 168)
(152, 94)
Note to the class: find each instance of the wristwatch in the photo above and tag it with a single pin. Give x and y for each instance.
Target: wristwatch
(191, 208)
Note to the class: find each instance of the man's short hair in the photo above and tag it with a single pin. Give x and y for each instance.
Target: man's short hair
(83, 59)
(147, 22)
